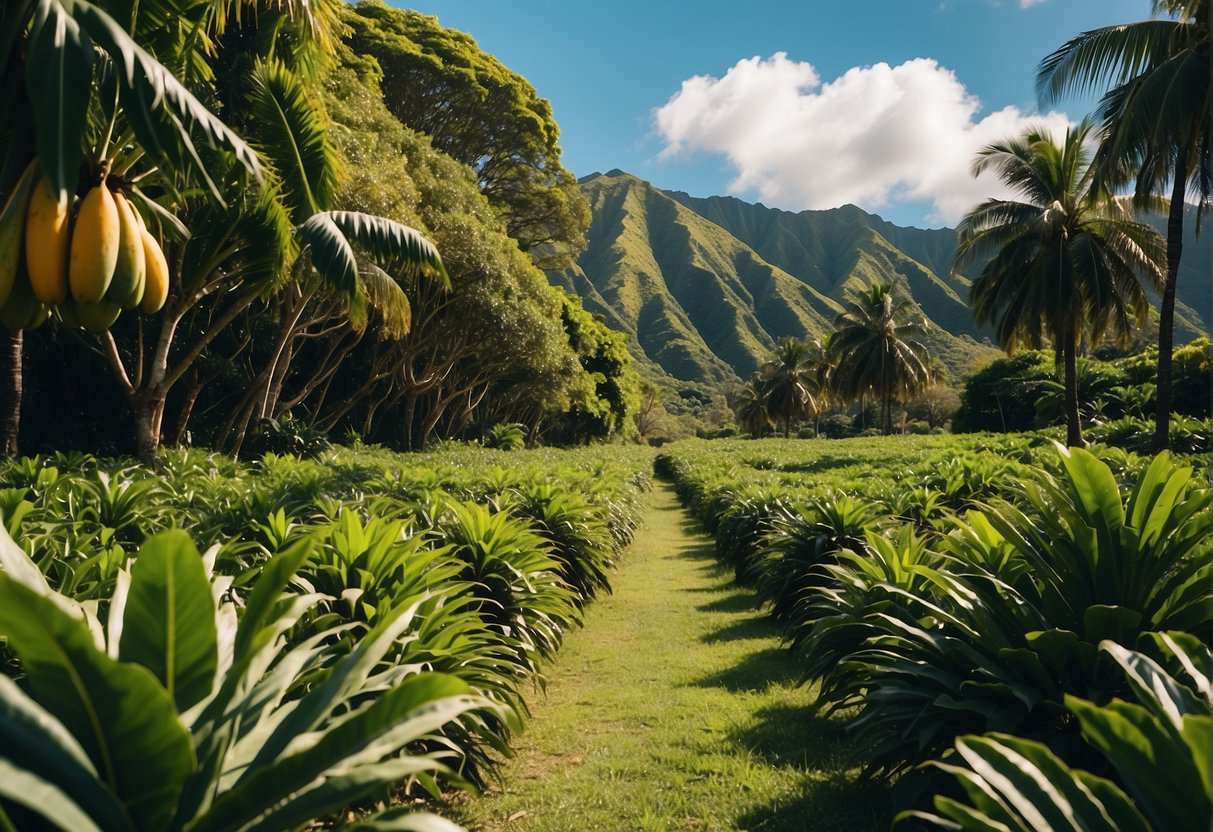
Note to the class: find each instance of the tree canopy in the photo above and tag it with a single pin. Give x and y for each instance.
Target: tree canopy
(474, 109)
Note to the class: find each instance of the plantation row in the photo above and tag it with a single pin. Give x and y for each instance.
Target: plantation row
(1031, 623)
(356, 629)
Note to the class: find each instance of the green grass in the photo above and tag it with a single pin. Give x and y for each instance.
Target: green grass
(676, 708)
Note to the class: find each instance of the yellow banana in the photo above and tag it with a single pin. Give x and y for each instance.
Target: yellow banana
(94, 252)
(126, 289)
(47, 233)
(155, 293)
(12, 224)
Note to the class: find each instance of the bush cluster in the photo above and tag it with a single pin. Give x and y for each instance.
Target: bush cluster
(356, 628)
(1032, 622)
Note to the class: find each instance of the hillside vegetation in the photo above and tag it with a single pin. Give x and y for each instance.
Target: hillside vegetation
(705, 287)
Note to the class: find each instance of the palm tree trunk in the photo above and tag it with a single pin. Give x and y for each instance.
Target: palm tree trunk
(1166, 309)
(1073, 425)
(11, 391)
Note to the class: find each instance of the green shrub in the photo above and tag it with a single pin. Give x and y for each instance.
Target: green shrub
(506, 437)
(173, 714)
(1156, 748)
(996, 629)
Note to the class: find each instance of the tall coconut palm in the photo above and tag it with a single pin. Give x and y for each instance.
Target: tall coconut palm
(1068, 263)
(1155, 123)
(787, 383)
(878, 352)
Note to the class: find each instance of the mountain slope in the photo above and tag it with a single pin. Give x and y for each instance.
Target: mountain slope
(706, 286)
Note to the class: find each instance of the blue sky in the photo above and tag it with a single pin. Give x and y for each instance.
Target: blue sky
(795, 104)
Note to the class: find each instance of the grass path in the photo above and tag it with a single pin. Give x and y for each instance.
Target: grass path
(675, 708)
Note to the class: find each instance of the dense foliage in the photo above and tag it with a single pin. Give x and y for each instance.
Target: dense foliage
(357, 626)
(995, 604)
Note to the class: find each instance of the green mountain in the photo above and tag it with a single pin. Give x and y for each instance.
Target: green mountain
(706, 286)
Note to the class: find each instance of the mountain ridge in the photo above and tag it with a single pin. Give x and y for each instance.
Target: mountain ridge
(704, 286)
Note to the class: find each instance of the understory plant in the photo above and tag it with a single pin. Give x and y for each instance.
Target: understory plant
(163, 709)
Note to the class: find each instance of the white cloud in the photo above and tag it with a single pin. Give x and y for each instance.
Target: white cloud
(1027, 4)
(876, 136)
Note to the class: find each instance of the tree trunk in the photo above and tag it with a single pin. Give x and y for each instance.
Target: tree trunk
(1166, 309)
(149, 410)
(11, 391)
(1073, 425)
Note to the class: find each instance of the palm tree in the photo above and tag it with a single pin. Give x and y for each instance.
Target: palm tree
(787, 383)
(750, 409)
(1068, 261)
(877, 351)
(1155, 123)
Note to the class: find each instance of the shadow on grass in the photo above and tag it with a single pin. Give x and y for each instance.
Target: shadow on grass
(734, 602)
(799, 737)
(758, 626)
(837, 803)
(757, 671)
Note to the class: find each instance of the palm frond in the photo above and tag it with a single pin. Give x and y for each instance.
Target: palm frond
(291, 134)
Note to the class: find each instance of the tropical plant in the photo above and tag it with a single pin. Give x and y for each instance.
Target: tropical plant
(877, 351)
(1068, 261)
(516, 578)
(1155, 124)
(510, 436)
(1020, 785)
(176, 713)
(996, 629)
(750, 408)
(787, 382)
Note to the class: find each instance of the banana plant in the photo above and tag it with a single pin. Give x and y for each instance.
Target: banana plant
(174, 712)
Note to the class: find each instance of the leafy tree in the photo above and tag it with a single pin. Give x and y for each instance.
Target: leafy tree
(787, 382)
(59, 68)
(1069, 261)
(650, 413)
(1155, 122)
(604, 356)
(935, 406)
(438, 81)
(1001, 396)
(447, 372)
(877, 351)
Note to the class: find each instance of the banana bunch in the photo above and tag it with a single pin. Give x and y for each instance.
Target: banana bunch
(88, 261)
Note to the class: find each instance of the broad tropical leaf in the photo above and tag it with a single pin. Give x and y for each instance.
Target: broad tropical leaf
(169, 619)
(165, 116)
(123, 719)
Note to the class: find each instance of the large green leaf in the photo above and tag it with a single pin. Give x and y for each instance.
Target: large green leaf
(1140, 746)
(291, 133)
(58, 73)
(165, 116)
(1018, 784)
(43, 796)
(37, 743)
(121, 716)
(169, 625)
(331, 234)
(418, 706)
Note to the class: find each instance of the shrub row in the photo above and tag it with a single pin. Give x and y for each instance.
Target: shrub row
(1033, 623)
(357, 627)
